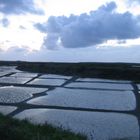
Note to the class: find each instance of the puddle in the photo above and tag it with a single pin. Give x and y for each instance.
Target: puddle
(12, 94)
(49, 82)
(97, 126)
(93, 99)
(5, 110)
(112, 86)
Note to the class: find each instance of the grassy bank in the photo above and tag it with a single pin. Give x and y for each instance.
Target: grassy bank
(13, 129)
(122, 71)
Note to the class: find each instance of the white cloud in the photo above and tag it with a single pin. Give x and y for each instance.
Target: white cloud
(94, 28)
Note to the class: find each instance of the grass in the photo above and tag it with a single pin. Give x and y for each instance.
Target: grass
(13, 129)
(120, 71)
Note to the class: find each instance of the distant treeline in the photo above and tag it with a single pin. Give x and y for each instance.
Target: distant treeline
(127, 71)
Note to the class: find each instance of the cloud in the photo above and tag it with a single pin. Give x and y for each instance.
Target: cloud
(14, 53)
(41, 27)
(5, 22)
(22, 27)
(19, 7)
(90, 29)
(133, 1)
(51, 41)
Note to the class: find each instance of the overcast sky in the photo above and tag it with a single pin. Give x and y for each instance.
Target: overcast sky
(70, 30)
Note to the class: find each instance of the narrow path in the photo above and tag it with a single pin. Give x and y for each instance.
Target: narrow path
(55, 86)
(137, 95)
(8, 74)
(24, 106)
(123, 83)
(73, 79)
(137, 110)
(32, 79)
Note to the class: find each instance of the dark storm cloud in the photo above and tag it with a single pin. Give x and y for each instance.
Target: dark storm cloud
(19, 7)
(5, 22)
(90, 29)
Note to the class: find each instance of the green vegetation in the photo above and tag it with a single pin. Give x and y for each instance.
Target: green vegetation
(13, 129)
(120, 71)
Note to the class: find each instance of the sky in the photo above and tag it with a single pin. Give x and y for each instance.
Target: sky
(70, 30)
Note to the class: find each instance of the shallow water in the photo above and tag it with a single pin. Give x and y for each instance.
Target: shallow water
(55, 76)
(85, 101)
(14, 80)
(25, 74)
(12, 94)
(8, 69)
(93, 99)
(112, 86)
(101, 80)
(97, 126)
(5, 110)
(50, 82)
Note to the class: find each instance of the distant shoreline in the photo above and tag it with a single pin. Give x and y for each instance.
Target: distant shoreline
(120, 71)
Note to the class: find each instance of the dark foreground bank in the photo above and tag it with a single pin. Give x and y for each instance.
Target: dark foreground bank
(13, 129)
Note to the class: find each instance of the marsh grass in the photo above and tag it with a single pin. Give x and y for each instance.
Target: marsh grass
(13, 129)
